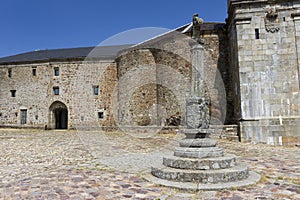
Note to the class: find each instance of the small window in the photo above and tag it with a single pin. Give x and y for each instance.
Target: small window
(23, 117)
(284, 19)
(0, 114)
(101, 115)
(257, 33)
(13, 93)
(96, 89)
(56, 71)
(33, 71)
(56, 90)
(9, 72)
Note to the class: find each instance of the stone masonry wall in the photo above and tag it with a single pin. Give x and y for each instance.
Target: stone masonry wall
(75, 82)
(146, 86)
(160, 72)
(268, 67)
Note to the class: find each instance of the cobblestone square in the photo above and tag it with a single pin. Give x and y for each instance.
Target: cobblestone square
(96, 165)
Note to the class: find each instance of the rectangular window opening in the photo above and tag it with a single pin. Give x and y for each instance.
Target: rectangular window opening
(13, 93)
(56, 90)
(96, 89)
(23, 116)
(257, 33)
(9, 72)
(56, 71)
(34, 71)
(284, 19)
(101, 115)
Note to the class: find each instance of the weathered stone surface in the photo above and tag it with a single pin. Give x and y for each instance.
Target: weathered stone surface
(199, 152)
(75, 81)
(200, 164)
(264, 66)
(196, 133)
(197, 113)
(191, 186)
(236, 173)
(205, 142)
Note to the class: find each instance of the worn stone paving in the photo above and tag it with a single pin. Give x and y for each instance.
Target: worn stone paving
(96, 165)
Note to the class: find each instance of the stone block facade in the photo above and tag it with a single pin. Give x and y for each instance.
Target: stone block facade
(34, 93)
(265, 67)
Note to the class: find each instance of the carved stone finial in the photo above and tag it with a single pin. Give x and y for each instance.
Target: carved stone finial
(197, 23)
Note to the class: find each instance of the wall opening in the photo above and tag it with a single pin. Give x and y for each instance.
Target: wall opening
(101, 115)
(23, 116)
(56, 90)
(96, 89)
(257, 33)
(58, 116)
(13, 93)
(9, 72)
(56, 71)
(33, 71)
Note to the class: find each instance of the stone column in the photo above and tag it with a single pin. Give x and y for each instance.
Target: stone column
(197, 105)
(197, 78)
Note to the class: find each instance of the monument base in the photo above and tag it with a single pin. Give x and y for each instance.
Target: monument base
(198, 164)
(252, 179)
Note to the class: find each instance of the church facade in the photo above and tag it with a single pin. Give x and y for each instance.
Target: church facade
(252, 77)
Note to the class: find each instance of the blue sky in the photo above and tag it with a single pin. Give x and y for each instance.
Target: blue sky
(27, 25)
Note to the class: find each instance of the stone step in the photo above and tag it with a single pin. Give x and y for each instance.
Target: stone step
(205, 142)
(224, 162)
(190, 186)
(238, 172)
(210, 152)
(196, 133)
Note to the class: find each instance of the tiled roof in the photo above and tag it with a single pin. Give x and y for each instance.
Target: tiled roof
(102, 52)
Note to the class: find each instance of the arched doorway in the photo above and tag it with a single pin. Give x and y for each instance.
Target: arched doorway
(58, 116)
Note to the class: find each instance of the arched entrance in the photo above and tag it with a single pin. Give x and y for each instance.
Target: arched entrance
(58, 116)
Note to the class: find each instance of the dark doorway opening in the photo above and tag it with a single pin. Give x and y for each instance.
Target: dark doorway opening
(61, 118)
(58, 116)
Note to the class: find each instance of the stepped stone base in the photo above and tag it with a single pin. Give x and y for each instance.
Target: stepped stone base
(199, 152)
(199, 164)
(236, 173)
(206, 142)
(224, 162)
(252, 179)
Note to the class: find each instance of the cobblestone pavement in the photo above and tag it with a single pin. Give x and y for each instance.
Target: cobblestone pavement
(96, 165)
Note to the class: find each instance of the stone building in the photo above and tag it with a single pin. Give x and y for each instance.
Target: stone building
(252, 69)
(264, 38)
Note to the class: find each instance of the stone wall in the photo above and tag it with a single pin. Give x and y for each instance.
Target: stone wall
(268, 65)
(146, 86)
(154, 79)
(75, 81)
